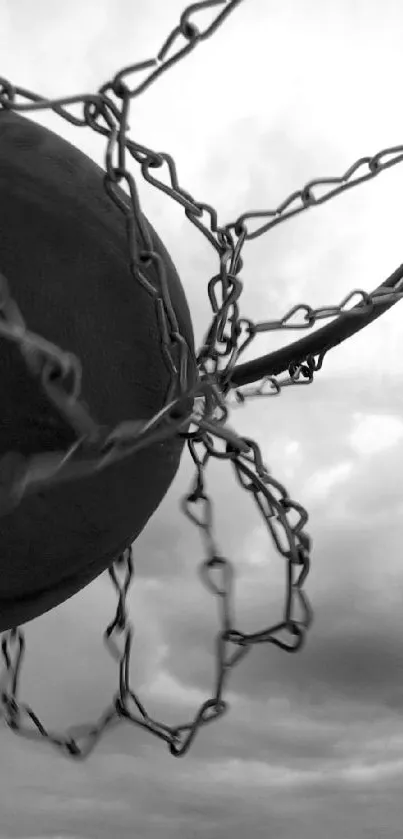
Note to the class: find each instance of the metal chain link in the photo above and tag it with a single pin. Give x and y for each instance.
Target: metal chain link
(229, 334)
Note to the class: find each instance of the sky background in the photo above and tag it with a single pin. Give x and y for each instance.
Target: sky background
(313, 743)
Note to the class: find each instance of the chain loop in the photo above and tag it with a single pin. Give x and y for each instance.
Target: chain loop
(227, 337)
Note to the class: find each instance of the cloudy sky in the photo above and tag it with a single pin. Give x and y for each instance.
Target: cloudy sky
(313, 743)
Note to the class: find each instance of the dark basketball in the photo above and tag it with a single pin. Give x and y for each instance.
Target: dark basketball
(64, 253)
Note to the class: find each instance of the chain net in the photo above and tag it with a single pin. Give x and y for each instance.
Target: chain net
(209, 434)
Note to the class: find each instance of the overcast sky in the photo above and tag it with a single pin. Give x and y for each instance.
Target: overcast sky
(313, 743)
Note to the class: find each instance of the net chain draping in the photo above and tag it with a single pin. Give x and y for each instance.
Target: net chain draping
(208, 434)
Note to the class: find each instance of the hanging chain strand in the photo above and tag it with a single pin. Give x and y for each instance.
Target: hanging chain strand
(226, 339)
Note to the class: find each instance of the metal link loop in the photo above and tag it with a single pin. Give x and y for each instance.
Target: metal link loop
(227, 337)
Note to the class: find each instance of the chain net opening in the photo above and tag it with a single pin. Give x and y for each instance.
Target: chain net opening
(220, 377)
